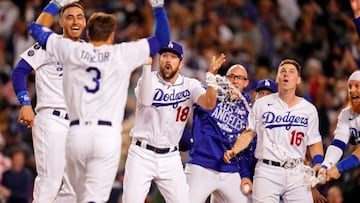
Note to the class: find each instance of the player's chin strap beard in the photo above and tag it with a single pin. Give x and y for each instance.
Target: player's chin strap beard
(162, 81)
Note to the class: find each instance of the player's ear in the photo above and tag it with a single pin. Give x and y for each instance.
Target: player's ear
(61, 22)
(298, 80)
(181, 64)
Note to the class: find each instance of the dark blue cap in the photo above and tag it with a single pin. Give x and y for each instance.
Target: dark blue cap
(266, 84)
(174, 48)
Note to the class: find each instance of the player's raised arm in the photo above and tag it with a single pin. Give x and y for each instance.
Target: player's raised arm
(161, 36)
(208, 99)
(45, 19)
(144, 89)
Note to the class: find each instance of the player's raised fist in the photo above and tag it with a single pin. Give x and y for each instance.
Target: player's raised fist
(156, 3)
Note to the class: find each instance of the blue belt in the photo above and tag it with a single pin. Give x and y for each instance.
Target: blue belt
(155, 149)
(99, 122)
(58, 113)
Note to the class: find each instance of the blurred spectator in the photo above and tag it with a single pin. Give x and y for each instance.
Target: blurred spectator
(17, 182)
(334, 194)
(9, 12)
(5, 161)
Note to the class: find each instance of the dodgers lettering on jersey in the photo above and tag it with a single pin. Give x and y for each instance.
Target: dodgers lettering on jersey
(170, 99)
(271, 120)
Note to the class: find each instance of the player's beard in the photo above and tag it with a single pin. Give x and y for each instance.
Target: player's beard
(168, 72)
(354, 107)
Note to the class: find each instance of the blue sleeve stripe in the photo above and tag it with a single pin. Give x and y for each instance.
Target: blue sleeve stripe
(318, 159)
(39, 33)
(162, 27)
(338, 143)
(18, 75)
(349, 163)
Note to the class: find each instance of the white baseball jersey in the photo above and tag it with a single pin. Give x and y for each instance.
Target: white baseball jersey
(162, 123)
(347, 128)
(96, 79)
(49, 132)
(48, 77)
(348, 124)
(292, 129)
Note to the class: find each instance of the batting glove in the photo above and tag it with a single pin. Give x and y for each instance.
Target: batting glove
(156, 3)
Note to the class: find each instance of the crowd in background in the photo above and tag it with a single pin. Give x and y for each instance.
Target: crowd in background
(319, 34)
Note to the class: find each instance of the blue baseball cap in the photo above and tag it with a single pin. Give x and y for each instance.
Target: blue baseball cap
(174, 48)
(266, 84)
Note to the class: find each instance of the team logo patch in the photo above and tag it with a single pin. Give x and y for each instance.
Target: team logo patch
(30, 53)
(37, 46)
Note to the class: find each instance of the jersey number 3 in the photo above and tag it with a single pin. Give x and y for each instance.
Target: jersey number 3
(95, 79)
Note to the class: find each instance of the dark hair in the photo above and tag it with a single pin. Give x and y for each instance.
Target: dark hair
(74, 4)
(100, 26)
(292, 62)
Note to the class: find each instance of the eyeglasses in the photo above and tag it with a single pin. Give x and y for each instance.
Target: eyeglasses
(238, 77)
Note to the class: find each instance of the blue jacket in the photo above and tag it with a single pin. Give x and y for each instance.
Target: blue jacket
(215, 131)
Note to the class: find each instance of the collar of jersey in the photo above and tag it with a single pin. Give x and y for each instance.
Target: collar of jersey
(179, 80)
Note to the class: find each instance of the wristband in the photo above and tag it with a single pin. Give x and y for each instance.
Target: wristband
(318, 159)
(52, 8)
(211, 80)
(349, 163)
(24, 98)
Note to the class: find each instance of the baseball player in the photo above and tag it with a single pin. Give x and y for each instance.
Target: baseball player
(164, 102)
(51, 123)
(95, 79)
(215, 131)
(265, 87)
(347, 130)
(286, 125)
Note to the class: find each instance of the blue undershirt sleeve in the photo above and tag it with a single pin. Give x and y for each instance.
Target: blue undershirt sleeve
(161, 36)
(19, 74)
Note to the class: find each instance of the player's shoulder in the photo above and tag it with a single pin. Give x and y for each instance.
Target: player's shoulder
(36, 56)
(35, 49)
(189, 79)
(346, 112)
(270, 99)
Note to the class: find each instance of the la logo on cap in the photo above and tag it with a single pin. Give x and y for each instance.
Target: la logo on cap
(267, 83)
(171, 45)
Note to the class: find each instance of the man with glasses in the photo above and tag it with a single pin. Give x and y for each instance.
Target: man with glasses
(214, 131)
